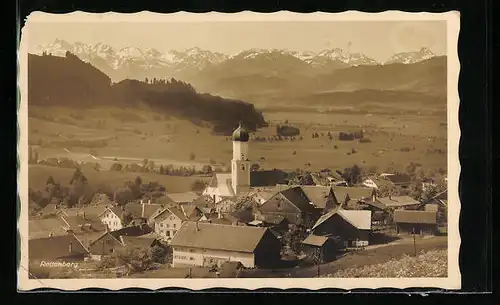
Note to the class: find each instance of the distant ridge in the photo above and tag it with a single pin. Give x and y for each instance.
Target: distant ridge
(69, 81)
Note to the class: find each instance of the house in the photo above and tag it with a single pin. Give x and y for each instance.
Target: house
(322, 197)
(418, 222)
(350, 227)
(223, 219)
(206, 244)
(64, 247)
(399, 202)
(112, 217)
(380, 213)
(322, 248)
(183, 198)
(111, 241)
(293, 204)
(105, 244)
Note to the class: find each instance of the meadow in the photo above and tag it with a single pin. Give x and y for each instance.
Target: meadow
(109, 135)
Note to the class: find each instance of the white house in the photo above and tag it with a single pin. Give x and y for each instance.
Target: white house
(168, 221)
(111, 217)
(207, 244)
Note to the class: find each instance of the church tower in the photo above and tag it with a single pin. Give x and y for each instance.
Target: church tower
(240, 165)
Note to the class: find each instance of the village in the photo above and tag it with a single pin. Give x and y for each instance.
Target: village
(245, 223)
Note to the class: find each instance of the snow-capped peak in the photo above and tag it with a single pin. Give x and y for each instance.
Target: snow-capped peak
(411, 57)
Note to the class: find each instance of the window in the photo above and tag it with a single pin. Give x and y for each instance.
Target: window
(191, 250)
(191, 258)
(168, 226)
(108, 242)
(174, 225)
(168, 233)
(161, 225)
(242, 167)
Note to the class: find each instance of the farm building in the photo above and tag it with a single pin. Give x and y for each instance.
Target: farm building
(348, 195)
(206, 244)
(350, 227)
(399, 180)
(322, 247)
(418, 222)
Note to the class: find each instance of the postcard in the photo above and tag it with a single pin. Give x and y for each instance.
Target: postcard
(247, 150)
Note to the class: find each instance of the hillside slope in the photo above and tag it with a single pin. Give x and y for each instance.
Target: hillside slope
(70, 82)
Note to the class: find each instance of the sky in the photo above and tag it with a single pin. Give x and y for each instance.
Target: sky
(377, 39)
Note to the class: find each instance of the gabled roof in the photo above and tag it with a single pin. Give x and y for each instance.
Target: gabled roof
(317, 194)
(132, 231)
(267, 178)
(177, 212)
(357, 218)
(183, 197)
(136, 209)
(353, 193)
(399, 178)
(397, 201)
(43, 227)
(55, 247)
(298, 198)
(425, 217)
(223, 184)
(81, 224)
(314, 240)
(137, 242)
(218, 237)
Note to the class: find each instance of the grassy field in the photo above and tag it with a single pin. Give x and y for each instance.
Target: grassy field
(103, 134)
(426, 264)
(38, 175)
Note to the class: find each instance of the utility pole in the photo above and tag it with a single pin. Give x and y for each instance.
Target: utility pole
(414, 243)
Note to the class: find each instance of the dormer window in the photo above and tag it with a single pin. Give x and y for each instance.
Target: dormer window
(243, 167)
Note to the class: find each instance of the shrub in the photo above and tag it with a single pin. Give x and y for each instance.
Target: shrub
(192, 156)
(365, 140)
(405, 149)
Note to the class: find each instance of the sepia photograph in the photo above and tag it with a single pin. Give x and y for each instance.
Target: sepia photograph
(239, 150)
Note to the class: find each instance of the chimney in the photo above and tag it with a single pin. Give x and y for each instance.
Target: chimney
(70, 248)
(374, 196)
(143, 207)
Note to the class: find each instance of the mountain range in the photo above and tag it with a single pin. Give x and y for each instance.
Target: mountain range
(137, 63)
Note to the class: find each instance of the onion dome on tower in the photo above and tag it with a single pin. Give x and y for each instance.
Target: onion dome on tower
(241, 134)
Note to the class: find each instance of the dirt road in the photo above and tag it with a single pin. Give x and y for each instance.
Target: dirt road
(366, 257)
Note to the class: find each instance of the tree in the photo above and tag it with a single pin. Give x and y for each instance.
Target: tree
(123, 195)
(198, 185)
(78, 175)
(162, 170)
(352, 174)
(146, 80)
(50, 180)
(117, 167)
(207, 169)
(192, 156)
(255, 167)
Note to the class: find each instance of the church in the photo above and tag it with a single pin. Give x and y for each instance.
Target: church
(241, 181)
